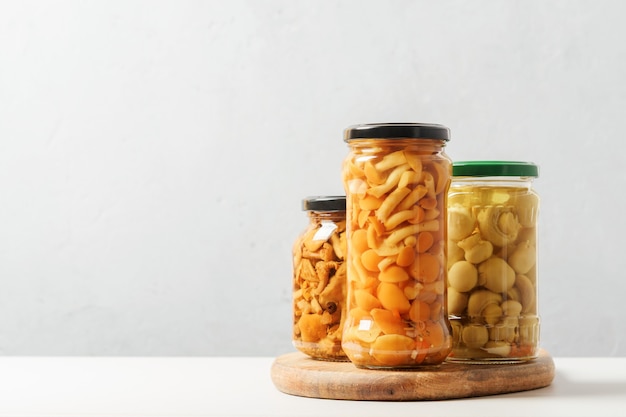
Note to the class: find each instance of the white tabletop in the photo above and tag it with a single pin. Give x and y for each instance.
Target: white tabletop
(237, 386)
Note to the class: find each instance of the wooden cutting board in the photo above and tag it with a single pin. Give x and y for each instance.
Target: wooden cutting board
(297, 374)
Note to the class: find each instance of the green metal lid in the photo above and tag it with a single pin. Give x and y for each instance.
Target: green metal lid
(494, 169)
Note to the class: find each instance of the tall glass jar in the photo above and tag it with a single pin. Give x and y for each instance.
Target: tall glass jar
(319, 279)
(396, 177)
(492, 261)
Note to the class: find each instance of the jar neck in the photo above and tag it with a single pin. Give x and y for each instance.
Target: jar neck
(327, 215)
(515, 182)
(374, 145)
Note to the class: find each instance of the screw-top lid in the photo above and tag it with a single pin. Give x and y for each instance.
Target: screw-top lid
(494, 169)
(397, 131)
(324, 203)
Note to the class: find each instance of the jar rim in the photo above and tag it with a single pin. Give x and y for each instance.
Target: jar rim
(494, 169)
(396, 131)
(324, 203)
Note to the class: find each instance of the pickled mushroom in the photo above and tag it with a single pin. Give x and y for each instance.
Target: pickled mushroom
(311, 327)
(527, 293)
(480, 299)
(368, 331)
(511, 308)
(498, 348)
(492, 313)
(509, 327)
(523, 258)
(388, 322)
(393, 274)
(455, 253)
(529, 234)
(463, 276)
(513, 294)
(460, 222)
(503, 332)
(498, 224)
(475, 336)
(527, 207)
(392, 349)
(392, 297)
(335, 291)
(496, 275)
(457, 302)
(457, 329)
(476, 249)
(365, 300)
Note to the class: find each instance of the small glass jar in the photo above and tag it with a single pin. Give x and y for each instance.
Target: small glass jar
(492, 261)
(319, 279)
(396, 177)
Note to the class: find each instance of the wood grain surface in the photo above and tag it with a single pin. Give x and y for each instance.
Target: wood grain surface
(297, 374)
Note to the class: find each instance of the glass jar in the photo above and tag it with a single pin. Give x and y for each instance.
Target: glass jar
(396, 177)
(319, 279)
(492, 261)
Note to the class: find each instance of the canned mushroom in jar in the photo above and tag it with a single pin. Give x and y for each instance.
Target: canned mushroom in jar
(492, 261)
(319, 279)
(396, 178)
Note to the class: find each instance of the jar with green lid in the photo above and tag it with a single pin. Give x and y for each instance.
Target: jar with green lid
(319, 279)
(492, 261)
(396, 176)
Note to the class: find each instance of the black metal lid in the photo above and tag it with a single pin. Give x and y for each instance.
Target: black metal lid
(397, 130)
(324, 203)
